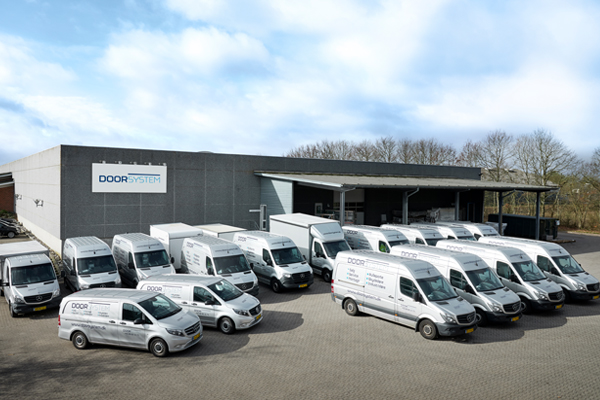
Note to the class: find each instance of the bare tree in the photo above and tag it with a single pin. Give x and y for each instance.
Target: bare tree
(405, 152)
(433, 152)
(469, 155)
(364, 151)
(496, 154)
(386, 149)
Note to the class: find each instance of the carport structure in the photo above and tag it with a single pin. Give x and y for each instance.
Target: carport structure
(408, 186)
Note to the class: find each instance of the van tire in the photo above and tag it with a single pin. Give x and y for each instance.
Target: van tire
(276, 285)
(326, 274)
(80, 341)
(482, 319)
(567, 296)
(428, 329)
(525, 305)
(226, 325)
(159, 348)
(11, 235)
(351, 308)
(12, 310)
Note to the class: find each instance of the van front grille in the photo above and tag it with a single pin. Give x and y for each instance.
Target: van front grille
(466, 318)
(255, 311)
(38, 298)
(102, 285)
(192, 329)
(301, 277)
(512, 308)
(594, 287)
(558, 296)
(244, 286)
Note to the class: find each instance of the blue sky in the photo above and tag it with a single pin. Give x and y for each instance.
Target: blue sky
(262, 77)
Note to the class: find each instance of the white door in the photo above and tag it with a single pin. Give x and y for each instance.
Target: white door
(407, 309)
(130, 334)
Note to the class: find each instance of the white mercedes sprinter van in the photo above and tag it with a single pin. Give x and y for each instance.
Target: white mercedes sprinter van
(516, 271)
(208, 255)
(130, 318)
(275, 260)
(472, 279)
(417, 234)
(140, 256)
(408, 292)
(89, 263)
(214, 300)
(557, 264)
(365, 237)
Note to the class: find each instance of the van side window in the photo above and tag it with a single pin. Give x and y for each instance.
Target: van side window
(503, 270)
(267, 257)
(130, 262)
(451, 237)
(131, 312)
(383, 247)
(319, 250)
(477, 236)
(544, 263)
(202, 295)
(457, 279)
(209, 267)
(407, 287)
(419, 241)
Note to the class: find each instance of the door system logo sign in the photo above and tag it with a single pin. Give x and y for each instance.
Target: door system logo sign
(125, 178)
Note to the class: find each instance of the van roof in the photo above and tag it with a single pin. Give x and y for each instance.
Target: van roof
(139, 241)
(526, 242)
(85, 245)
(183, 278)
(484, 247)
(212, 243)
(417, 268)
(414, 228)
(29, 246)
(28, 259)
(302, 219)
(177, 227)
(466, 259)
(219, 228)
(272, 239)
(112, 294)
(375, 230)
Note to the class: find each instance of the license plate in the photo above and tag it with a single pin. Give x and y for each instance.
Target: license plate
(515, 319)
(304, 285)
(39, 308)
(197, 336)
(596, 297)
(258, 317)
(558, 306)
(469, 330)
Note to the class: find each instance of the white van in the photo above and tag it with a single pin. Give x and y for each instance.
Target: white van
(171, 236)
(516, 271)
(140, 256)
(477, 229)
(416, 234)
(408, 292)
(207, 255)
(130, 318)
(364, 237)
(557, 264)
(275, 260)
(214, 300)
(447, 231)
(89, 263)
(472, 279)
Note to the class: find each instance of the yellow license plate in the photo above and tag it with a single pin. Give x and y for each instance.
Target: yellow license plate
(39, 308)
(515, 319)
(197, 336)
(558, 306)
(596, 297)
(258, 317)
(304, 285)
(469, 330)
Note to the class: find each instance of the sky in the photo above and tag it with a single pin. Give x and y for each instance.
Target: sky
(263, 76)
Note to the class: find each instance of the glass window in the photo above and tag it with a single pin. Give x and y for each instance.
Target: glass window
(419, 241)
(95, 265)
(231, 264)
(319, 250)
(528, 271)
(432, 242)
(32, 274)
(289, 255)
(503, 270)
(267, 257)
(436, 288)
(457, 279)
(383, 247)
(225, 290)
(407, 287)
(160, 306)
(209, 267)
(332, 248)
(202, 295)
(484, 279)
(151, 259)
(544, 263)
(131, 312)
(568, 265)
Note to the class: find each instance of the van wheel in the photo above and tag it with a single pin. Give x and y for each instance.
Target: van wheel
(226, 325)
(525, 305)
(428, 329)
(11, 235)
(80, 341)
(567, 296)
(12, 310)
(351, 308)
(276, 285)
(159, 348)
(326, 275)
(481, 317)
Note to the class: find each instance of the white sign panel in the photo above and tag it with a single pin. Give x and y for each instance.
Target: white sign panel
(127, 178)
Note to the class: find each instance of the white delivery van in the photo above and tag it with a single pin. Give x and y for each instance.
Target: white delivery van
(319, 239)
(477, 229)
(140, 256)
(516, 271)
(27, 278)
(219, 230)
(447, 231)
(416, 234)
(557, 264)
(472, 279)
(364, 237)
(408, 292)
(207, 255)
(171, 236)
(214, 300)
(275, 260)
(130, 318)
(89, 263)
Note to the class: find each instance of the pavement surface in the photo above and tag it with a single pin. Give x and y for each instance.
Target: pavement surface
(307, 347)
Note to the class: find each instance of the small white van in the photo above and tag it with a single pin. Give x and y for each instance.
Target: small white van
(275, 260)
(364, 237)
(447, 231)
(516, 271)
(208, 255)
(477, 229)
(89, 263)
(416, 234)
(472, 279)
(214, 300)
(140, 256)
(557, 264)
(130, 318)
(408, 292)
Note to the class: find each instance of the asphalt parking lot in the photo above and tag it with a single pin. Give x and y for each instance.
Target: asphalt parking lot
(307, 347)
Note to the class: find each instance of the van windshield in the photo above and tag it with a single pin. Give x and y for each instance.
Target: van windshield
(528, 271)
(289, 255)
(484, 279)
(397, 242)
(151, 259)
(95, 265)
(436, 288)
(432, 242)
(32, 274)
(568, 265)
(231, 264)
(332, 248)
(466, 238)
(160, 306)
(225, 290)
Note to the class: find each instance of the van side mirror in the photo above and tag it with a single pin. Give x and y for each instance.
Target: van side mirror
(304, 257)
(130, 265)
(138, 321)
(62, 273)
(172, 260)
(251, 265)
(554, 271)
(416, 297)
(469, 289)
(513, 278)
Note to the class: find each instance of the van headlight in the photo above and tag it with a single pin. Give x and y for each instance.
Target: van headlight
(118, 280)
(580, 286)
(451, 319)
(56, 293)
(242, 312)
(86, 286)
(19, 299)
(287, 275)
(176, 332)
(495, 307)
(541, 295)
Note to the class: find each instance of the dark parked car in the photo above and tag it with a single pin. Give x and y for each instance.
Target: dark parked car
(8, 230)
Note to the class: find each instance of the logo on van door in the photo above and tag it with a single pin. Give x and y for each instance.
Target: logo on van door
(355, 261)
(456, 248)
(81, 306)
(349, 232)
(154, 288)
(408, 254)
